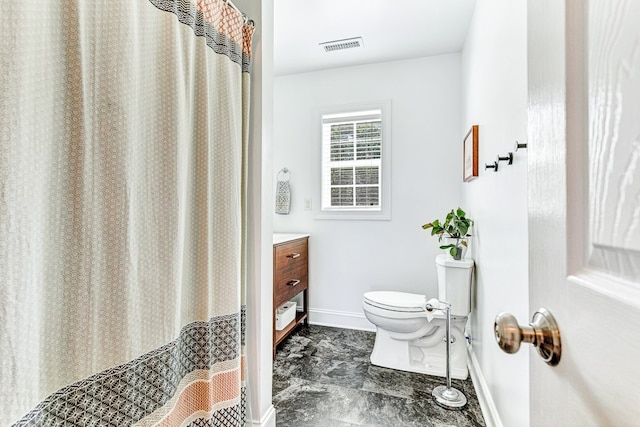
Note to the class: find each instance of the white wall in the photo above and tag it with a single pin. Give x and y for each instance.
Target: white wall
(259, 263)
(494, 76)
(349, 258)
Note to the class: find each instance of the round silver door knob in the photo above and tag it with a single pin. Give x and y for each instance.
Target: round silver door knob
(509, 334)
(542, 332)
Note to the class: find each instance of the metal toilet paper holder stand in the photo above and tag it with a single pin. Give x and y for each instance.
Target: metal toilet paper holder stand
(447, 396)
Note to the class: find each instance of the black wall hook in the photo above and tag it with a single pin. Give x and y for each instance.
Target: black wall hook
(493, 166)
(508, 158)
(520, 145)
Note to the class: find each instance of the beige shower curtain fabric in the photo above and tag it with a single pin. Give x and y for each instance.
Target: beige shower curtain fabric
(123, 132)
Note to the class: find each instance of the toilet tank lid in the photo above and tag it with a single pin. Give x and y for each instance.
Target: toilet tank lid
(392, 299)
(447, 261)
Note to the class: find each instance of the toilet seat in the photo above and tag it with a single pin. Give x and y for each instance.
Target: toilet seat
(396, 301)
(404, 304)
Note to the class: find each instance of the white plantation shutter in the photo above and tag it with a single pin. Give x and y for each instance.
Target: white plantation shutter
(352, 150)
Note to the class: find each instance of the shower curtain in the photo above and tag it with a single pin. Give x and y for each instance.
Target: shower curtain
(123, 132)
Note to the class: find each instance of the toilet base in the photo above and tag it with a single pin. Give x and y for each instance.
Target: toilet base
(425, 355)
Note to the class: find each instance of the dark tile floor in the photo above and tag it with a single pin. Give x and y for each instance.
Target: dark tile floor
(323, 377)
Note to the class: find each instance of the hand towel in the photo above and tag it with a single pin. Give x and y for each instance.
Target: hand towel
(283, 197)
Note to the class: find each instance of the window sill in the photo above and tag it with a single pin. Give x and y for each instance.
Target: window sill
(354, 215)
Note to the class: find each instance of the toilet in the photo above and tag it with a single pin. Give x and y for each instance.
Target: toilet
(411, 339)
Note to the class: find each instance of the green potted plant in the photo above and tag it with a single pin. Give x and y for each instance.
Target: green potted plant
(455, 230)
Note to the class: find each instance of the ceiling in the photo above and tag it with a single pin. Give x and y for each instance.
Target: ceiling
(391, 30)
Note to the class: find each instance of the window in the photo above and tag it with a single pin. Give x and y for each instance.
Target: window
(354, 175)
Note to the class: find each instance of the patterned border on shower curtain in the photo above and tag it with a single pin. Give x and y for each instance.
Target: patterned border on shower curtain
(215, 20)
(190, 379)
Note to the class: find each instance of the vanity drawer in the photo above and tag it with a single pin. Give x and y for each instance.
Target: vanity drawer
(290, 256)
(290, 270)
(286, 287)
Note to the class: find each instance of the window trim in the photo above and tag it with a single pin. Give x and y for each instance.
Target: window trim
(316, 158)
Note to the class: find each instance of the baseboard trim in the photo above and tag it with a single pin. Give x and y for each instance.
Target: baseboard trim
(340, 319)
(268, 420)
(488, 407)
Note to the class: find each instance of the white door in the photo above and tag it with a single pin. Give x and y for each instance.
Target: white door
(584, 208)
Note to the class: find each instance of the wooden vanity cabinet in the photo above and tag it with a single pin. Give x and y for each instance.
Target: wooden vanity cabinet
(290, 278)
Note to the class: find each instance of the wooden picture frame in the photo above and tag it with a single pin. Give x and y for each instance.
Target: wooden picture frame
(470, 155)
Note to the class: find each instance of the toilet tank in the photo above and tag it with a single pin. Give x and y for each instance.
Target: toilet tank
(454, 283)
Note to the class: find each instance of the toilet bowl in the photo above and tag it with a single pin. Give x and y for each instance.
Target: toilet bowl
(411, 339)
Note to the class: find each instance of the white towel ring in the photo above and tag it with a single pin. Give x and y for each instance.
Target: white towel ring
(284, 175)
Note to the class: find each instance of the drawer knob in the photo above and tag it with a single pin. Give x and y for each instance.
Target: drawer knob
(293, 256)
(293, 282)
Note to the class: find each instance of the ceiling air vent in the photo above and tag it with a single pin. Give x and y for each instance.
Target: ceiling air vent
(342, 44)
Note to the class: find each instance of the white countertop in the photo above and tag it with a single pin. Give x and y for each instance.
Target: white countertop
(287, 237)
